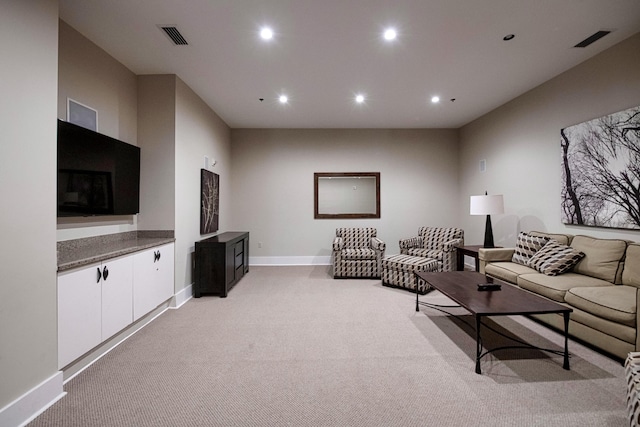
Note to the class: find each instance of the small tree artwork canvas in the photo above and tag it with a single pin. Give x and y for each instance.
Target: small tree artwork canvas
(209, 201)
(601, 171)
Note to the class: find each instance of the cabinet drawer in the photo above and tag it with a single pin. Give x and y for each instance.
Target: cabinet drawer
(238, 249)
(239, 272)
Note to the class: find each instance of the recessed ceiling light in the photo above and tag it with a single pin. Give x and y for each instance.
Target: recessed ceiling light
(435, 99)
(390, 34)
(283, 99)
(508, 37)
(266, 33)
(359, 98)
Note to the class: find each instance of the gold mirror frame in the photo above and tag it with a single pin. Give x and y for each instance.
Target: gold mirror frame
(319, 205)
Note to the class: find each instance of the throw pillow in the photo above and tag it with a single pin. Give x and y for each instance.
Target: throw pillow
(555, 258)
(527, 246)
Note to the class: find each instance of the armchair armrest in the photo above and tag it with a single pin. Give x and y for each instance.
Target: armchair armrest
(412, 242)
(378, 244)
(451, 245)
(338, 244)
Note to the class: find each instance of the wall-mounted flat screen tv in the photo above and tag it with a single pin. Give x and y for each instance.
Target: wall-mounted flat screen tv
(97, 174)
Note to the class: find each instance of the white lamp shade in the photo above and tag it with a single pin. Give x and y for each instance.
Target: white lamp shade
(487, 205)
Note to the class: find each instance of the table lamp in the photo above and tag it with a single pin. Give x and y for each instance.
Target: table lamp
(487, 205)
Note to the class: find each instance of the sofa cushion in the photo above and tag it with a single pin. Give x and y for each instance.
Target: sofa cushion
(565, 239)
(363, 253)
(615, 303)
(631, 271)
(585, 324)
(602, 258)
(507, 271)
(555, 287)
(425, 253)
(554, 258)
(527, 246)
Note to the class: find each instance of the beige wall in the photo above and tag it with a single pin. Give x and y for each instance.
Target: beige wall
(176, 130)
(89, 75)
(28, 82)
(521, 144)
(157, 141)
(272, 185)
(199, 133)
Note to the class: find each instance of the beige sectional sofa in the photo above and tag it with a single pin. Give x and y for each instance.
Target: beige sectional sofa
(602, 288)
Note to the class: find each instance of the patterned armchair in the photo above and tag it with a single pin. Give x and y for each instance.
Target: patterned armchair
(357, 252)
(435, 243)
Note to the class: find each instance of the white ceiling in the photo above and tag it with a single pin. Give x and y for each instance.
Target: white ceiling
(326, 51)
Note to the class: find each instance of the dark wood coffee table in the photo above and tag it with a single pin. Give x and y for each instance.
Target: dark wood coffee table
(461, 287)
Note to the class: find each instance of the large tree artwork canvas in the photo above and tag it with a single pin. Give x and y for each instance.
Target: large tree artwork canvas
(209, 201)
(601, 171)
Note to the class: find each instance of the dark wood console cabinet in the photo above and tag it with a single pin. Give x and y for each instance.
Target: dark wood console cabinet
(221, 261)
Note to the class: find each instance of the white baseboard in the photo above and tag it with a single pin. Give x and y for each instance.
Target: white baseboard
(302, 260)
(290, 260)
(182, 297)
(27, 407)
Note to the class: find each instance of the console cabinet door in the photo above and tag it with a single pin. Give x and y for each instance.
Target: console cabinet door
(164, 269)
(79, 312)
(152, 279)
(117, 295)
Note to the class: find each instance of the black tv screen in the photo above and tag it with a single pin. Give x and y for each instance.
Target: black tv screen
(97, 174)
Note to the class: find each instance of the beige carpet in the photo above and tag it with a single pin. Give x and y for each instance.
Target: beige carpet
(292, 346)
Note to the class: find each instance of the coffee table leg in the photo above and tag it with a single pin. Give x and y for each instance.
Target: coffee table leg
(478, 344)
(566, 342)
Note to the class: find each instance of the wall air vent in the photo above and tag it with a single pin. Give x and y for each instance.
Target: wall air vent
(593, 38)
(173, 33)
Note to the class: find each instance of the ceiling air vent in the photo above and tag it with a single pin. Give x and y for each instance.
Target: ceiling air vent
(174, 35)
(593, 38)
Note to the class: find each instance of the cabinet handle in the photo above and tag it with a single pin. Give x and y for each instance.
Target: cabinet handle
(105, 272)
(99, 275)
(156, 256)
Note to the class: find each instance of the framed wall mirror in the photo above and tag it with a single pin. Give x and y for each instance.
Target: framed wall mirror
(346, 195)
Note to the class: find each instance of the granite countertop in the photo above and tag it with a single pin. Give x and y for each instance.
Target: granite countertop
(81, 252)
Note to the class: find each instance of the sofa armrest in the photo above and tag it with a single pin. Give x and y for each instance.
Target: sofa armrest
(495, 254)
(378, 244)
(489, 255)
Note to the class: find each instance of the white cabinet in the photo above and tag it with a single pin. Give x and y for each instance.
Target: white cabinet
(152, 278)
(98, 301)
(94, 303)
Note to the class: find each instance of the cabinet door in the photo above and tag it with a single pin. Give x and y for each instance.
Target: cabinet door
(164, 270)
(117, 295)
(79, 313)
(152, 279)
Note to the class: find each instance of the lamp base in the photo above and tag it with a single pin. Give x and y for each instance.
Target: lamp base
(488, 234)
